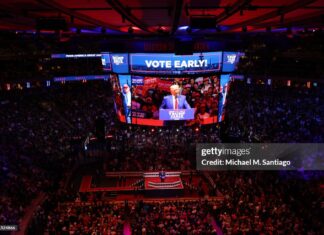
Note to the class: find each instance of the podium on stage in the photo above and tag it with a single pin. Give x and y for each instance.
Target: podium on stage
(176, 114)
(171, 186)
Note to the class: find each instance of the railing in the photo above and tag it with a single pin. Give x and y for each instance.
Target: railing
(156, 174)
(161, 185)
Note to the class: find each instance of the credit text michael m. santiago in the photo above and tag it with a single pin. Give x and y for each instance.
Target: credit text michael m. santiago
(248, 162)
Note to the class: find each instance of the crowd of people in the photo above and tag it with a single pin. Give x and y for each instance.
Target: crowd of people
(37, 128)
(168, 148)
(168, 217)
(248, 203)
(43, 130)
(37, 151)
(264, 203)
(263, 113)
(32, 153)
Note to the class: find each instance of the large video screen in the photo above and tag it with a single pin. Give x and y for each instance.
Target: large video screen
(140, 99)
(152, 95)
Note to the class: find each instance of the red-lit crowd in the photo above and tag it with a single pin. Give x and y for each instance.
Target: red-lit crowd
(42, 138)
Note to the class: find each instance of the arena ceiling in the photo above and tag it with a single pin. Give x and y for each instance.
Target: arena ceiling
(172, 17)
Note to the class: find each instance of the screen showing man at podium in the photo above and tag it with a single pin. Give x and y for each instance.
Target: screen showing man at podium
(157, 100)
(175, 107)
(175, 100)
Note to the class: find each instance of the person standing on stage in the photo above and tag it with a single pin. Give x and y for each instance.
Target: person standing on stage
(162, 175)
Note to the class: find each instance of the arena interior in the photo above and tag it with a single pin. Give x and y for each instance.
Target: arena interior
(113, 113)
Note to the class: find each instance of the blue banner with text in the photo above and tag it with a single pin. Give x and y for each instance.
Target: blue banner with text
(175, 64)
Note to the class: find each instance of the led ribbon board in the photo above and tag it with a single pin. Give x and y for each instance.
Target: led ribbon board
(208, 62)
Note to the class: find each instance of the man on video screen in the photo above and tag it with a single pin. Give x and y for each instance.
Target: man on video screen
(175, 100)
(127, 102)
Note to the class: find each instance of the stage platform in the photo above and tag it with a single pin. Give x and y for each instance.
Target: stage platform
(172, 185)
(146, 183)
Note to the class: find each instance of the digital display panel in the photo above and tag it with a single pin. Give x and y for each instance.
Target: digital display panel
(105, 61)
(185, 100)
(121, 85)
(198, 63)
(66, 56)
(230, 60)
(145, 95)
(80, 78)
(119, 62)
